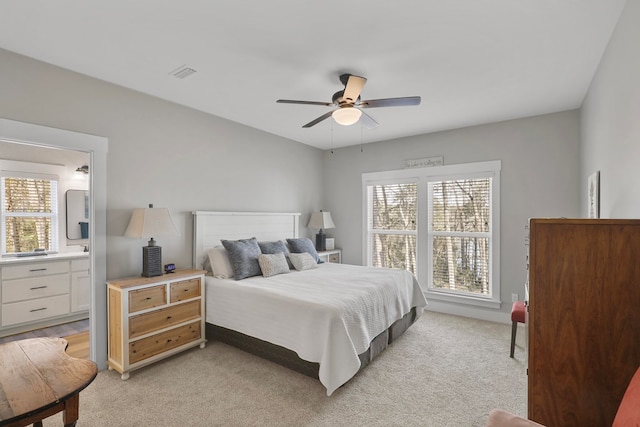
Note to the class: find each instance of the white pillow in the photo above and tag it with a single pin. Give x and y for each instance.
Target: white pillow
(272, 264)
(220, 264)
(302, 261)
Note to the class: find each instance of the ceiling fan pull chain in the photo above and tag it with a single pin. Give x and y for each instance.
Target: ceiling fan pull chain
(331, 137)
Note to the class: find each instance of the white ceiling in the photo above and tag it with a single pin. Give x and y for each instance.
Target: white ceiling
(471, 61)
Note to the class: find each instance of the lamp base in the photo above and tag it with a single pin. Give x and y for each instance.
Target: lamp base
(321, 242)
(151, 261)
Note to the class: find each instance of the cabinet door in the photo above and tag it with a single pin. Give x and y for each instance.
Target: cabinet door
(584, 321)
(80, 291)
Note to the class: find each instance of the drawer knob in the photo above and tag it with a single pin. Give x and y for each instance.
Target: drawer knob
(38, 269)
(38, 287)
(38, 309)
(168, 317)
(148, 298)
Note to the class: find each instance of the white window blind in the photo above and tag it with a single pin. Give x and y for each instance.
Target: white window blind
(442, 224)
(29, 212)
(392, 225)
(460, 234)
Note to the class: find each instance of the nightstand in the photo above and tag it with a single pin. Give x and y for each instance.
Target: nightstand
(151, 318)
(333, 255)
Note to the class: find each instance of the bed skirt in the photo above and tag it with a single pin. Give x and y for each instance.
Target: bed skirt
(290, 359)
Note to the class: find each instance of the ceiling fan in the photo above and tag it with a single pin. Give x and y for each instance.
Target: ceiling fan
(349, 103)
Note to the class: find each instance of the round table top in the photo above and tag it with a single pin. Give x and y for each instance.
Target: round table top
(36, 374)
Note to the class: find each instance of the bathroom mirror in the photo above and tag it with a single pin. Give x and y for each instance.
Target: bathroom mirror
(77, 214)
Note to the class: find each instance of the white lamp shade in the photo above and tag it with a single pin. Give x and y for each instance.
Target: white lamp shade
(321, 220)
(346, 116)
(150, 222)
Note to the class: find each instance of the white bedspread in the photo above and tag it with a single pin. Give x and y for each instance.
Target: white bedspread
(327, 315)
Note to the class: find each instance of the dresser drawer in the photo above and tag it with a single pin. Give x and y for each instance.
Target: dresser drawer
(34, 287)
(36, 309)
(155, 320)
(147, 298)
(162, 342)
(34, 270)
(185, 289)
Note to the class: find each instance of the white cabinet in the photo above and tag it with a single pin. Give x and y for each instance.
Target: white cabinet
(39, 293)
(80, 285)
(333, 255)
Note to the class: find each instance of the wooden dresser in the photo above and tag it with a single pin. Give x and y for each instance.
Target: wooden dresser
(151, 318)
(583, 320)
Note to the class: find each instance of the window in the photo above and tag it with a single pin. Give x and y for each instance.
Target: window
(440, 223)
(29, 213)
(459, 235)
(392, 225)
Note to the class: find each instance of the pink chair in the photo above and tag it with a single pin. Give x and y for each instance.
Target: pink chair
(518, 311)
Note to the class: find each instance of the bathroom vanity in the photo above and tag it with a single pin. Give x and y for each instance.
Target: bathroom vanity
(42, 291)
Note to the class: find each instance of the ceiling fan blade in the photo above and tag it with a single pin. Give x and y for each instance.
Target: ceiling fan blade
(390, 102)
(291, 101)
(318, 120)
(353, 88)
(368, 121)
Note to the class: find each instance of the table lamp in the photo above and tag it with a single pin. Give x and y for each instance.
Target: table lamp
(147, 223)
(321, 220)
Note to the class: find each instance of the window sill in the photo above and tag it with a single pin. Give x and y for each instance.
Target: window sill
(463, 299)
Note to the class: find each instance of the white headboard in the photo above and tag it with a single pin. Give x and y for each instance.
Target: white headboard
(210, 227)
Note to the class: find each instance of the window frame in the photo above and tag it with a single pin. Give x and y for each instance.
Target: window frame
(439, 173)
(368, 230)
(54, 215)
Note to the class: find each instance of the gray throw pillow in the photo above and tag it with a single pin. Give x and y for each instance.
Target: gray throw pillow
(304, 244)
(243, 255)
(274, 248)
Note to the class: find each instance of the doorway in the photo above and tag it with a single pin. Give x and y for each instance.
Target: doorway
(34, 136)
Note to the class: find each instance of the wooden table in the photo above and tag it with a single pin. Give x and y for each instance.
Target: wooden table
(38, 379)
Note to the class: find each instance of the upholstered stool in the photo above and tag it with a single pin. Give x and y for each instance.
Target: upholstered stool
(517, 316)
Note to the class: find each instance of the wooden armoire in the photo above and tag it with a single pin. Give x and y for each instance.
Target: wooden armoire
(583, 318)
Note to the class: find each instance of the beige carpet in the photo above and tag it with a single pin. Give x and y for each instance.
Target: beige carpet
(444, 371)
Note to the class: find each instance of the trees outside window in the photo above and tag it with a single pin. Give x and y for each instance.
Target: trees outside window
(440, 223)
(29, 214)
(392, 225)
(460, 235)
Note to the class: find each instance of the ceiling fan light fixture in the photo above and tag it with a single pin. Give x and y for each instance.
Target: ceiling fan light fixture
(346, 116)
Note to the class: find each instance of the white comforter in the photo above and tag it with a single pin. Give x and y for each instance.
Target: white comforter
(327, 315)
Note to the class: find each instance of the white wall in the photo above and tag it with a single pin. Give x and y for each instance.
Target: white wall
(610, 121)
(539, 178)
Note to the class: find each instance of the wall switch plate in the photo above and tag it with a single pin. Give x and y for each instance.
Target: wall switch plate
(514, 297)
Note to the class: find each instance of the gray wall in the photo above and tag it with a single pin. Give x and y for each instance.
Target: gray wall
(164, 154)
(159, 153)
(610, 122)
(540, 178)
(182, 159)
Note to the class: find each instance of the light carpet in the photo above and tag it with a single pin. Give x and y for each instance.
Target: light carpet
(444, 371)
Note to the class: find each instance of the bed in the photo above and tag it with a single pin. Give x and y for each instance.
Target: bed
(326, 320)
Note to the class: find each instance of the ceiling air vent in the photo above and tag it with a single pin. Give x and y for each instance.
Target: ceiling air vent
(182, 72)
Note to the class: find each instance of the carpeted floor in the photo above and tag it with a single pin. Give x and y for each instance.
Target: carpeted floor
(444, 371)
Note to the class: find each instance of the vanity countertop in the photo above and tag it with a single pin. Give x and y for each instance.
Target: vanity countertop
(9, 260)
